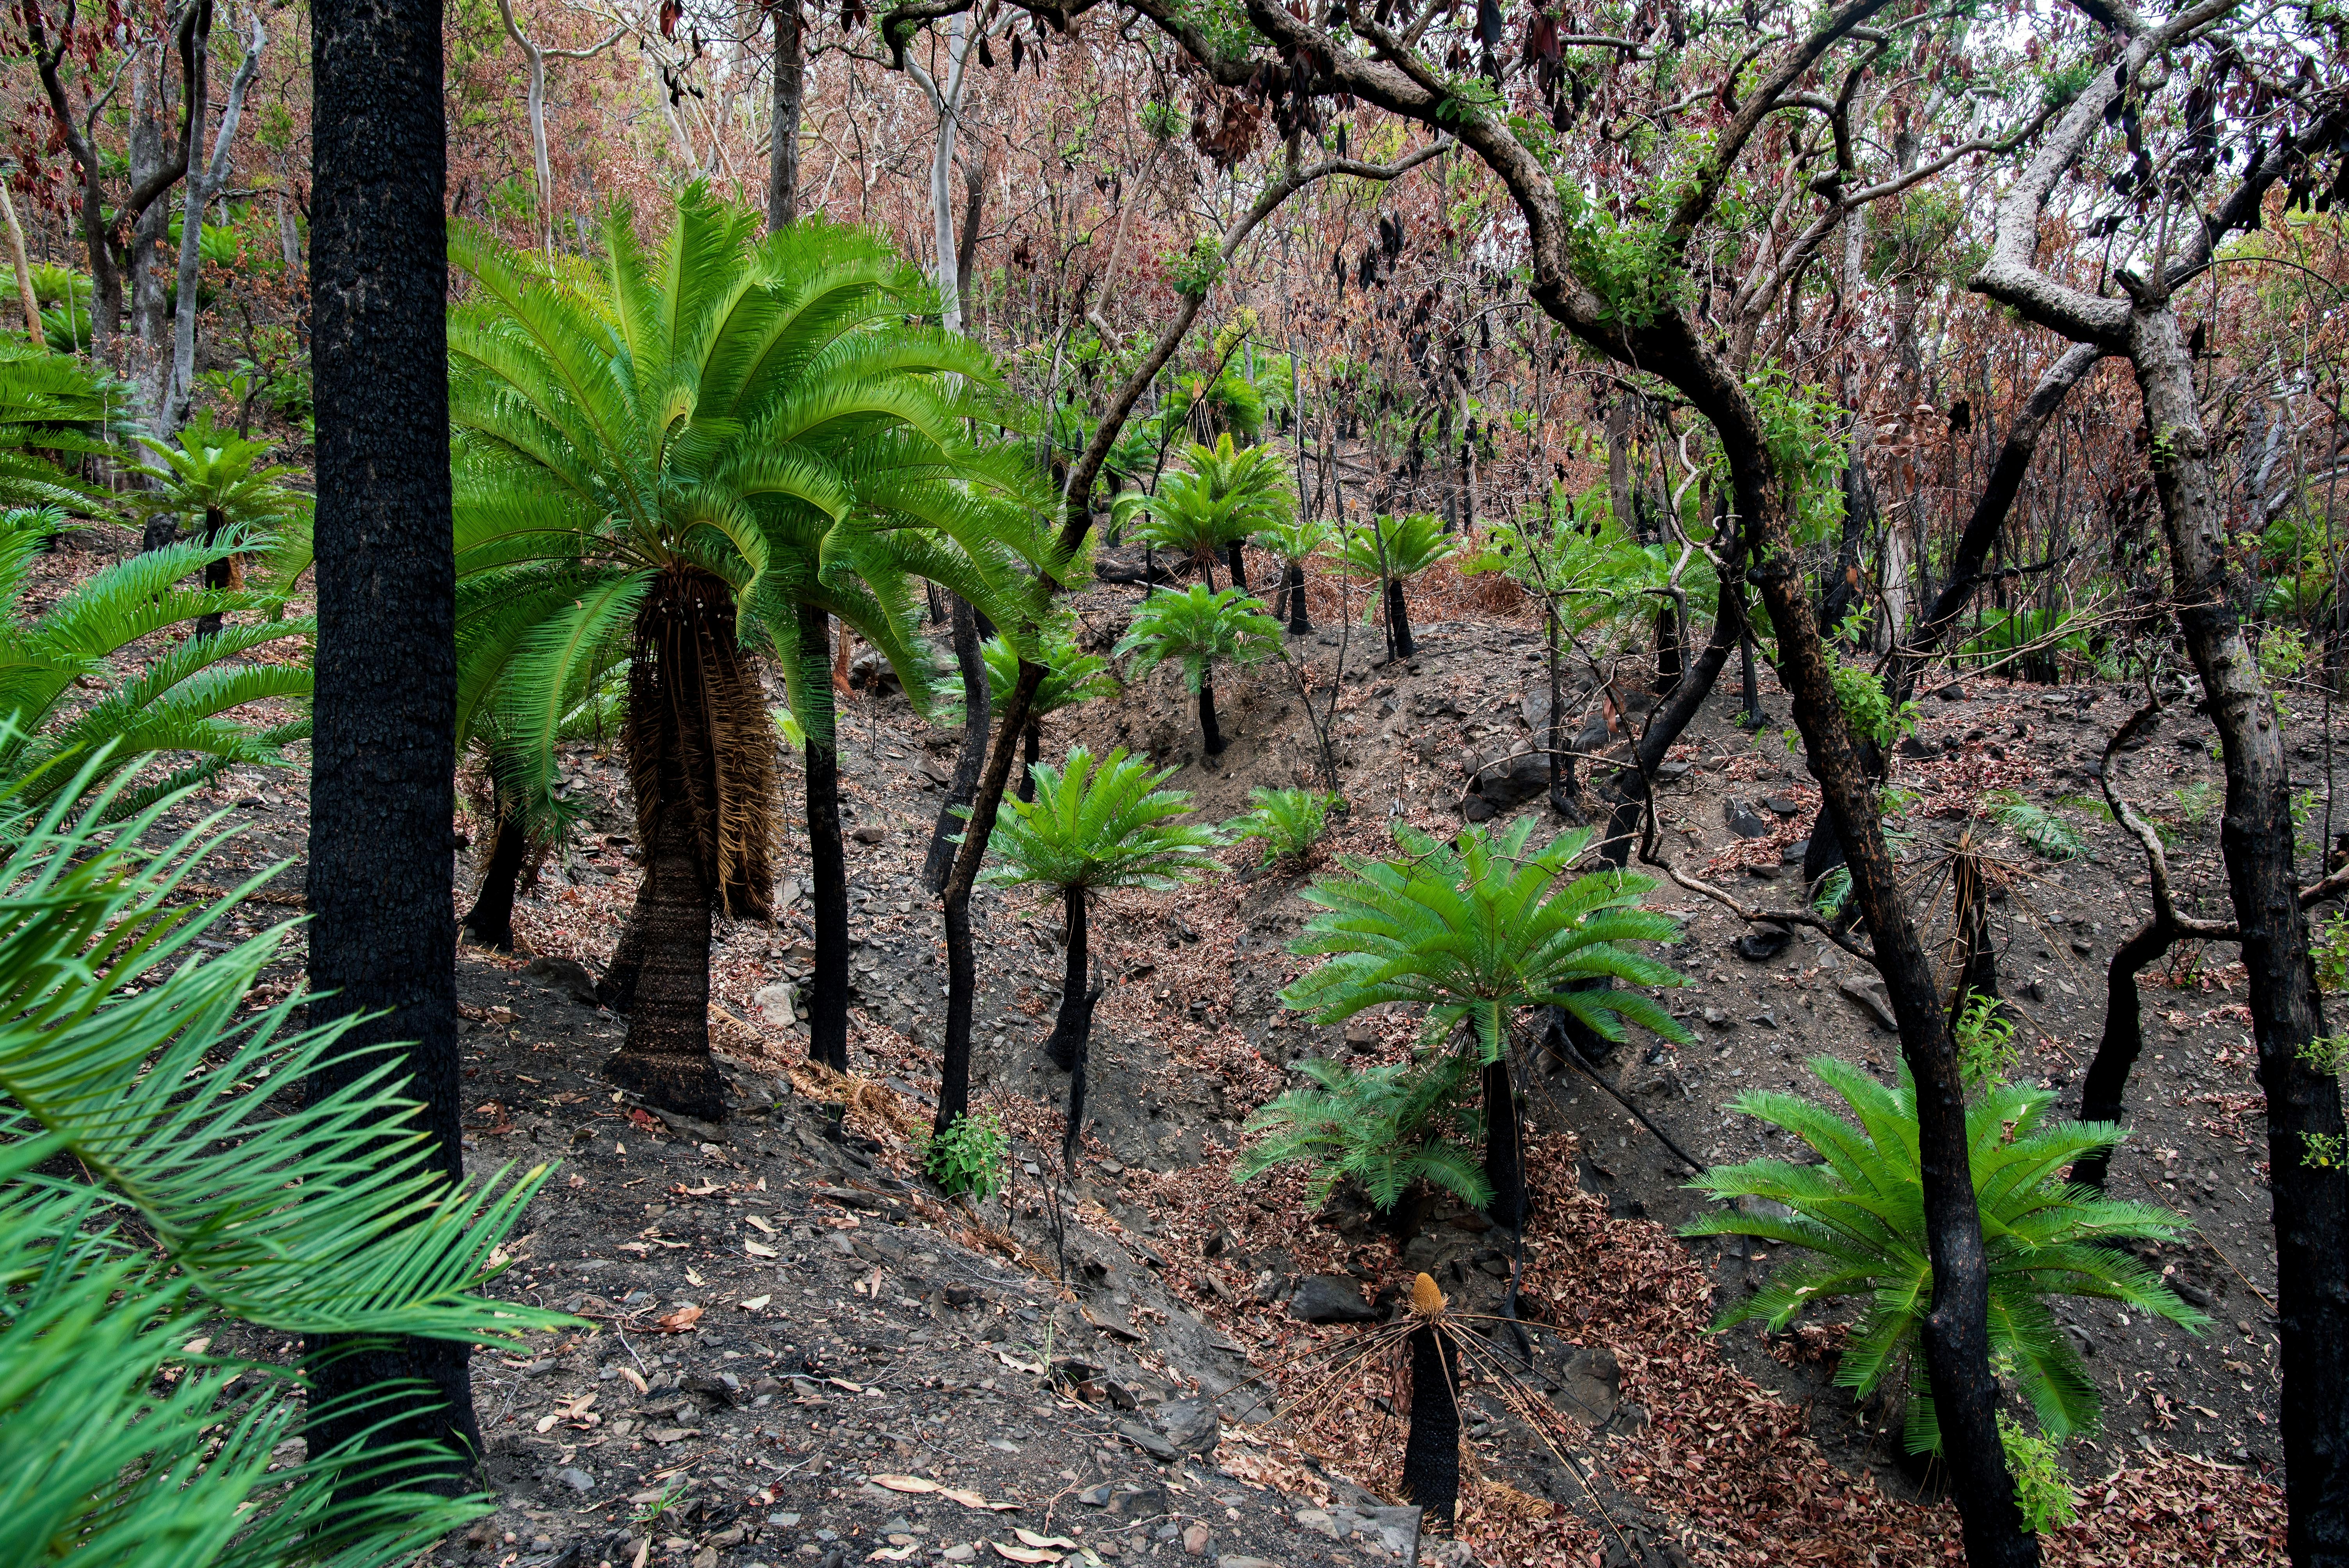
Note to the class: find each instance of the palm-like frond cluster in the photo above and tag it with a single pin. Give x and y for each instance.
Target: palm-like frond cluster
(154, 1193)
(181, 703)
(1111, 825)
(1195, 628)
(1290, 822)
(1384, 1129)
(1223, 494)
(1860, 1215)
(1474, 929)
(53, 406)
(1395, 549)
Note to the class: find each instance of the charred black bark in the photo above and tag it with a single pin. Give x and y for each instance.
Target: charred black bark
(1214, 736)
(1075, 1016)
(665, 1058)
(828, 874)
(1399, 620)
(1238, 564)
(939, 863)
(1671, 720)
(2103, 1091)
(1032, 744)
(1505, 1153)
(491, 920)
(1300, 622)
(383, 936)
(1431, 1455)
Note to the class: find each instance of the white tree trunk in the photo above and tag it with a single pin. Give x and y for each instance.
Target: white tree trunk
(205, 181)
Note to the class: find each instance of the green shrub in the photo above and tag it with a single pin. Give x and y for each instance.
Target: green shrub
(1289, 821)
(2049, 835)
(155, 1193)
(1986, 1049)
(970, 1157)
(1861, 1216)
(2042, 1490)
(1384, 1129)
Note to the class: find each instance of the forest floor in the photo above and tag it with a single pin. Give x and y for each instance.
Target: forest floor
(799, 1353)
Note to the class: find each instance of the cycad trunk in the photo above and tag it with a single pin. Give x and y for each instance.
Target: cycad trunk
(1214, 736)
(1075, 1017)
(828, 874)
(1505, 1155)
(1238, 564)
(701, 760)
(1300, 622)
(1033, 740)
(1431, 1455)
(939, 862)
(1399, 620)
(217, 574)
(491, 920)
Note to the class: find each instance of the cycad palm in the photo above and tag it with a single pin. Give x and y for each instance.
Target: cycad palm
(218, 475)
(680, 449)
(1472, 931)
(177, 705)
(1089, 830)
(1222, 496)
(1197, 628)
(1861, 1213)
(1295, 541)
(1392, 550)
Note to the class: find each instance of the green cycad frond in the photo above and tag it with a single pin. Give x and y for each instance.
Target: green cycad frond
(150, 1191)
(53, 404)
(1289, 821)
(218, 475)
(1476, 929)
(1396, 547)
(1198, 628)
(1384, 1129)
(1072, 676)
(1221, 495)
(173, 708)
(1106, 827)
(1861, 1217)
(761, 409)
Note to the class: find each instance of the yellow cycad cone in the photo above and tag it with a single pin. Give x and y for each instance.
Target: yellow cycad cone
(1426, 1299)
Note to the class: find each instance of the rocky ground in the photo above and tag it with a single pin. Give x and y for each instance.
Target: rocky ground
(795, 1351)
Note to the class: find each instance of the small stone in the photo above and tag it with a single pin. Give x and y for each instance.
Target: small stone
(574, 1478)
(1784, 806)
(1191, 1425)
(542, 1543)
(1740, 820)
(1591, 1386)
(868, 833)
(1871, 1000)
(779, 1003)
(706, 1558)
(1952, 692)
(1142, 1502)
(1149, 1442)
(1095, 1496)
(1195, 1540)
(1762, 943)
(1330, 1298)
(1236, 1561)
(1793, 854)
(960, 1551)
(1719, 1019)
(1318, 1522)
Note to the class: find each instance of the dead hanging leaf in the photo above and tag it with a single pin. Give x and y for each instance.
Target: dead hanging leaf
(970, 1499)
(912, 1483)
(681, 1321)
(1022, 1554)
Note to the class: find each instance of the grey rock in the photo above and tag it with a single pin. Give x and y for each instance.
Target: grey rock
(1762, 943)
(567, 975)
(1784, 806)
(1330, 1298)
(1394, 1530)
(1142, 1503)
(1191, 1425)
(1149, 1442)
(1793, 854)
(1591, 1386)
(1236, 1561)
(1952, 692)
(1505, 781)
(1740, 819)
(1319, 1521)
(574, 1478)
(778, 1004)
(1871, 1000)
(1095, 1496)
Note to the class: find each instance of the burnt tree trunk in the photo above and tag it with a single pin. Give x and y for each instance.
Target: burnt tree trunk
(1214, 736)
(1033, 745)
(1074, 1016)
(665, 1058)
(1671, 719)
(828, 874)
(491, 920)
(790, 94)
(2256, 840)
(939, 863)
(1431, 1455)
(1237, 562)
(2104, 1089)
(383, 936)
(1505, 1154)
(1399, 620)
(216, 572)
(1300, 622)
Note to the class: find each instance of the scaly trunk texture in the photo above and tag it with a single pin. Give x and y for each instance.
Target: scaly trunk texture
(701, 766)
(1431, 1455)
(2102, 1091)
(1207, 719)
(383, 935)
(216, 575)
(491, 920)
(1033, 745)
(939, 863)
(1238, 564)
(828, 874)
(2256, 840)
